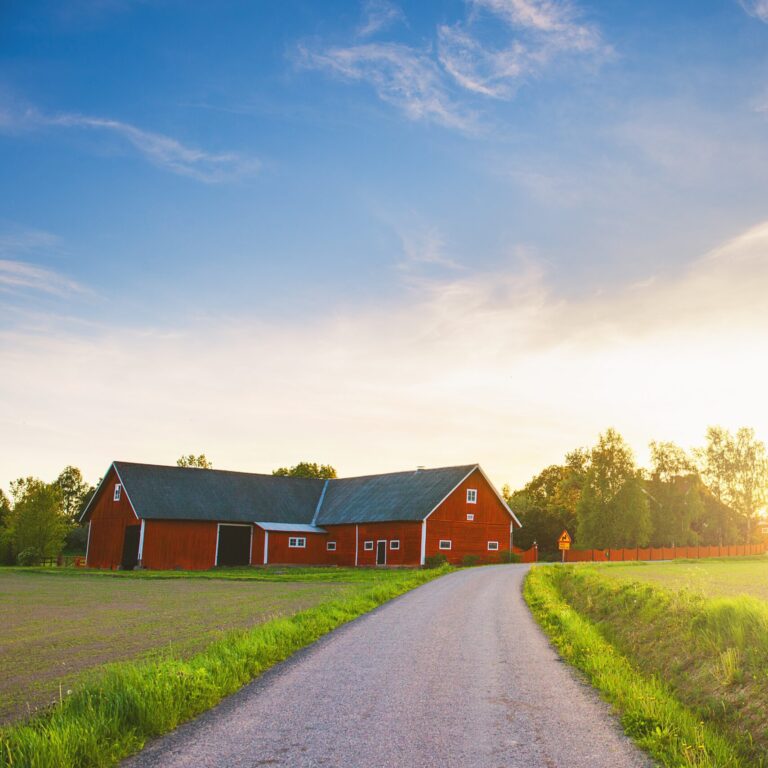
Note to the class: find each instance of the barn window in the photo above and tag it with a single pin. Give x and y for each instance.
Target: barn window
(368, 546)
(493, 545)
(394, 544)
(331, 546)
(470, 516)
(118, 491)
(297, 542)
(471, 495)
(445, 543)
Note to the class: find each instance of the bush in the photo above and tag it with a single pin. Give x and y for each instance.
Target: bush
(435, 561)
(29, 556)
(6, 547)
(509, 557)
(469, 560)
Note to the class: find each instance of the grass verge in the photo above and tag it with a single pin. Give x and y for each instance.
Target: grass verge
(128, 703)
(650, 713)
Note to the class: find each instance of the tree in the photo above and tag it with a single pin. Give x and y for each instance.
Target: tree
(37, 520)
(5, 509)
(307, 469)
(735, 469)
(613, 508)
(675, 495)
(74, 492)
(190, 460)
(545, 506)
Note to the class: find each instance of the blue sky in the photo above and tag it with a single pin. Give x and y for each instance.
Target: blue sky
(378, 234)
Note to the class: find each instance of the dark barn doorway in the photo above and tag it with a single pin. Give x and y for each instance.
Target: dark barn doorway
(234, 545)
(381, 553)
(130, 557)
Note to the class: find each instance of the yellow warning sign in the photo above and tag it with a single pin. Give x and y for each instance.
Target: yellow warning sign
(564, 542)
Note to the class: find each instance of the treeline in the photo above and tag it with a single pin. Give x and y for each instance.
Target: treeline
(711, 495)
(40, 520)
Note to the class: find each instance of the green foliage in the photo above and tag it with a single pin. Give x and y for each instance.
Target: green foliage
(650, 713)
(128, 703)
(546, 506)
(29, 556)
(613, 508)
(435, 561)
(37, 520)
(5, 509)
(468, 561)
(74, 492)
(735, 468)
(307, 469)
(505, 556)
(198, 462)
(77, 540)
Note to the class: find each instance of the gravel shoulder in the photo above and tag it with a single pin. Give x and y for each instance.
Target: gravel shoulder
(455, 674)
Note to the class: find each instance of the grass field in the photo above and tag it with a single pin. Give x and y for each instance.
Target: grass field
(717, 577)
(57, 624)
(672, 645)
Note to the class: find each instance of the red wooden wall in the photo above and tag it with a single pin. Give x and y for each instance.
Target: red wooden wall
(108, 521)
(185, 544)
(449, 521)
(662, 553)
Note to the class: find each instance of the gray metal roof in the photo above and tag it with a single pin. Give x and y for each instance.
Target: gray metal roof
(396, 496)
(186, 493)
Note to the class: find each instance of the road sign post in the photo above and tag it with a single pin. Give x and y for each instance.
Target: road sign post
(564, 543)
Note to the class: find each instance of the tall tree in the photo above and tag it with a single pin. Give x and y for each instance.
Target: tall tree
(307, 469)
(38, 521)
(613, 508)
(190, 460)
(74, 492)
(674, 490)
(735, 469)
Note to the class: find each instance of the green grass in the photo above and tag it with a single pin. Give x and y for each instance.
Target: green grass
(687, 674)
(120, 706)
(716, 577)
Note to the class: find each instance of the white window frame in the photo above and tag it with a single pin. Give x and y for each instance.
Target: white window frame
(471, 495)
(330, 546)
(368, 546)
(470, 516)
(118, 492)
(297, 542)
(493, 548)
(445, 541)
(394, 544)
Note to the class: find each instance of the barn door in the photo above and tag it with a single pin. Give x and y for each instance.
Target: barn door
(381, 553)
(130, 557)
(234, 545)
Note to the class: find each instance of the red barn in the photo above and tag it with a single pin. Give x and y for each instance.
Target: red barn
(177, 517)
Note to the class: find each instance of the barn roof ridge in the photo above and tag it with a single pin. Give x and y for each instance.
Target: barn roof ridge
(167, 492)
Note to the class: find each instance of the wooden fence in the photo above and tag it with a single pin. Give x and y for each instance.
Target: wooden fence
(662, 553)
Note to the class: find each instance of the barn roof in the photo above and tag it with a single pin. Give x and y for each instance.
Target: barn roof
(395, 496)
(187, 493)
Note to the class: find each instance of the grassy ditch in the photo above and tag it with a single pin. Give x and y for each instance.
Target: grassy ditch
(123, 705)
(650, 652)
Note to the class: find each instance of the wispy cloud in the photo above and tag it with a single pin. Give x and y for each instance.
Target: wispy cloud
(161, 150)
(756, 8)
(379, 15)
(494, 367)
(431, 83)
(18, 276)
(20, 272)
(401, 76)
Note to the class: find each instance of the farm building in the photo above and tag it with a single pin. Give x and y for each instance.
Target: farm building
(174, 517)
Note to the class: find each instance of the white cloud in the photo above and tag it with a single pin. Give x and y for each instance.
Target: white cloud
(379, 15)
(161, 150)
(756, 8)
(18, 276)
(401, 76)
(494, 368)
(428, 84)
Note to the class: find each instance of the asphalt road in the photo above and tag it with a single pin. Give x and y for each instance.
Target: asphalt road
(455, 674)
